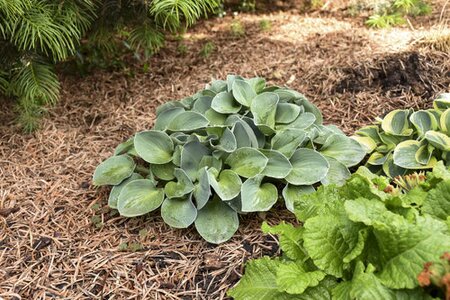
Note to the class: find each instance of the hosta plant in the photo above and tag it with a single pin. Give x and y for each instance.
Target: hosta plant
(235, 147)
(361, 241)
(404, 140)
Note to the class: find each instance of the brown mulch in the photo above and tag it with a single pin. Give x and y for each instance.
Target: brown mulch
(59, 240)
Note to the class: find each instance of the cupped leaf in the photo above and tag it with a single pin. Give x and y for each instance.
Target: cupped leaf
(258, 196)
(288, 140)
(257, 83)
(367, 143)
(292, 193)
(278, 165)
(286, 113)
(245, 136)
(263, 108)
(243, 92)
(154, 146)
(227, 184)
(165, 117)
(224, 103)
(308, 167)
(301, 100)
(442, 102)
(115, 191)
(178, 213)
(164, 172)
(215, 119)
(182, 187)
(202, 104)
(371, 131)
(337, 174)
(114, 170)
(139, 197)
(303, 121)
(396, 123)
(125, 147)
(202, 189)
(391, 169)
(344, 149)
(438, 139)
(405, 155)
(191, 156)
(423, 121)
(444, 122)
(216, 222)
(377, 159)
(188, 121)
(227, 142)
(247, 162)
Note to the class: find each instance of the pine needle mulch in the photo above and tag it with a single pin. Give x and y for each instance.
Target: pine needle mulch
(59, 240)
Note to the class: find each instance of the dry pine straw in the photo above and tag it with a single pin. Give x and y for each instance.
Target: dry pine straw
(59, 240)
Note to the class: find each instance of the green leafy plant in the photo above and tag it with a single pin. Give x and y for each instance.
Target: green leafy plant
(392, 13)
(404, 141)
(234, 147)
(207, 49)
(436, 275)
(36, 34)
(237, 29)
(265, 25)
(357, 242)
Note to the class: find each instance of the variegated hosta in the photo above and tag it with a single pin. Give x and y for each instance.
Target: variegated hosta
(406, 140)
(235, 147)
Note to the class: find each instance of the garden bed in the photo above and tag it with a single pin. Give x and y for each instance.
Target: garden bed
(59, 239)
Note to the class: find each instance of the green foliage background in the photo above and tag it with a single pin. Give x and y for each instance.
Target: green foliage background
(36, 34)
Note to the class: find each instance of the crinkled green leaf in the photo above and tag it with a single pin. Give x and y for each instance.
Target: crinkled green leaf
(247, 162)
(437, 202)
(216, 222)
(289, 238)
(154, 146)
(308, 167)
(114, 170)
(293, 279)
(178, 212)
(258, 196)
(139, 197)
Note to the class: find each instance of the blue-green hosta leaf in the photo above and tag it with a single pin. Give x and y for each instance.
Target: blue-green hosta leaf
(445, 122)
(139, 197)
(179, 138)
(176, 157)
(293, 193)
(391, 141)
(260, 282)
(286, 113)
(210, 161)
(191, 156)
(344, 149)
(396, 123)
(303, 121)
(278, 165)
(309, 107)
(423, 121)
(126, 147)
(202, 104)
(182, 187)
(377, 159)
(442, 102)
(216, 222)
(288, 140)
(224, 103)
(188, 102)
(289, 238)
(258, 196)
(264, 108)
(164, 172)
(202, 189)
(164, 118)
(245, 136)
(437, 202)
(247, 162)
(337, 174)
(293, 279)
(114, 170)
(231, 79)
(368, 144)
(438, 139)
(169, 105)
(405, 156)
(188, 121)
(217, 86)
(260, 137)
(115, 191)
(227, 142)
(178, 212)
(391, 169)
(308, 167)
(404, 245)
(330, 239)
(243, 92)
(257, 83)
(154, 146)
(227, 185)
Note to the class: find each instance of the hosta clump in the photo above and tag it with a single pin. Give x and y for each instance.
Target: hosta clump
(357, 242)
(404, 141)
(234, 147)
